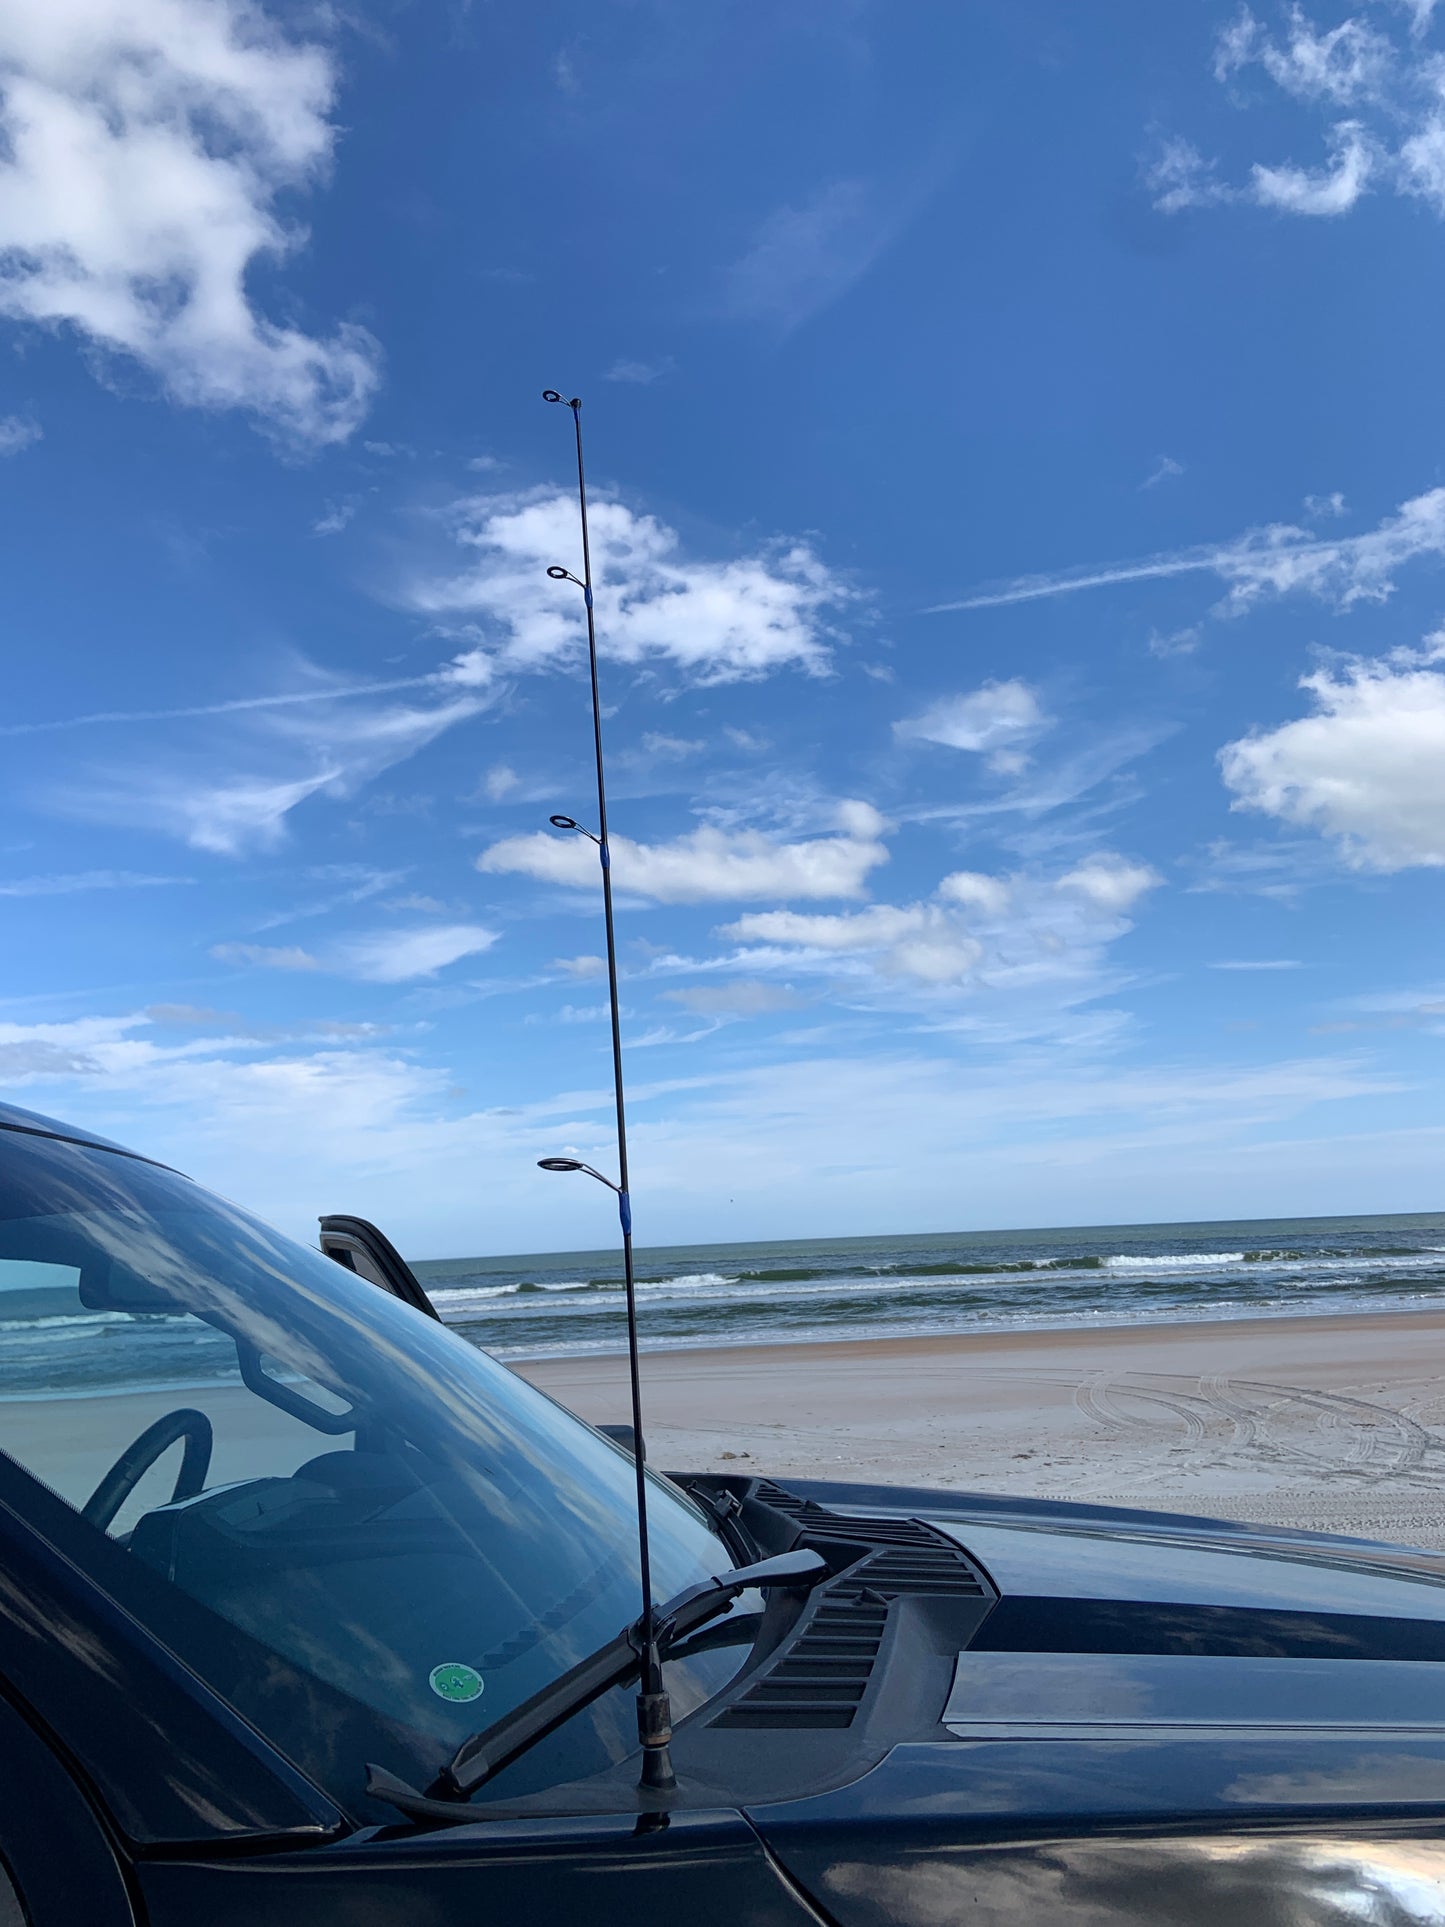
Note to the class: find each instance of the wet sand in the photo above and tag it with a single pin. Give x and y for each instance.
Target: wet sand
(1336, 1424)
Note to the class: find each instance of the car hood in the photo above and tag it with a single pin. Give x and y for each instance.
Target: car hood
(1235, 1716)
(1195, 1563)
(1051, 1549)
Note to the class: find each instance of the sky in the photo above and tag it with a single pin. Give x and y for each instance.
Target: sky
(1018, 512)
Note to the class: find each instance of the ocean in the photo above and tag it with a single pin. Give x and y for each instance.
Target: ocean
(559, 1303)
(556, 1303)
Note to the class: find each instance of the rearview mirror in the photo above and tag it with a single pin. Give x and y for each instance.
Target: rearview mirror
(111, 1285)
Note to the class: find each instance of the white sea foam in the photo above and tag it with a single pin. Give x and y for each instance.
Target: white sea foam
(1175, 1261)
(463, 1295)
(68, 1319)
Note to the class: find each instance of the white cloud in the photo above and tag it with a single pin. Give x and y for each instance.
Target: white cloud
(580, 967)
(1393, 137)
(657, 744)
(1163, 470)
(1296, 190)
(1343, 66)
(815, 1139)
(425, 906)
(499, 781)
(581, 1014)
(1095, 758)
(223, 817)
(805, 255)
(231, 789)
(85, 880)
(1420, 12)
(359, 883)
(337, 516)
(1000, 720)
(860, 819)
(1260, 963)
(975, 891)
(397, 956)
(327, 690)
(17, 433)
(1023, 929)
(265, 956)
(1180, 177)
(878, 927)
(640, 373)
(715, 621)
(1367, 768)
(1280, 868)
(146, 145)
(229, 1027)
(1322, 506)
(377, 957)
(1175, 642)
(1276, 560)
(1422, 163)
(1113, 883)
(708, 865)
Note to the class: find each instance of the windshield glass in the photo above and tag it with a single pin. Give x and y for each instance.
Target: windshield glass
(367, 1534)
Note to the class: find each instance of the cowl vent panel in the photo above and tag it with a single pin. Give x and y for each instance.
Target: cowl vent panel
(819, 1677)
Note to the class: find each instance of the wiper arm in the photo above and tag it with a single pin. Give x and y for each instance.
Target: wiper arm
(481, 1757)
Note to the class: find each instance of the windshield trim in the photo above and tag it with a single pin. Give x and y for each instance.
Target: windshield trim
(91, 1144)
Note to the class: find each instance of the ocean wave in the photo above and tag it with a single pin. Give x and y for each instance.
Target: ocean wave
(1174, 1260)
(458, 1297)
(690, 1281)
(731, 1295)
(71, 1321)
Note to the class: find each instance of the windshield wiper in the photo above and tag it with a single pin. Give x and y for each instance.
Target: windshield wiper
(481, 1757)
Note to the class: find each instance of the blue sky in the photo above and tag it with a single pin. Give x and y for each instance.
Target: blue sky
(1016, 436)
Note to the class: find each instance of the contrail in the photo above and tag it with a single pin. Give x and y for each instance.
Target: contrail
(215, 709)
(1031, 588)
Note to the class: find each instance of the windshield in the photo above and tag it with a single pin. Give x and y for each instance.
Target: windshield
(367, 1534)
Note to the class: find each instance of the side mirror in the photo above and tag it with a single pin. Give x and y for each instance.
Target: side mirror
(361, 1248)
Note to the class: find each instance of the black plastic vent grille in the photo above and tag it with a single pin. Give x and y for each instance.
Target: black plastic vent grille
(925, 1568)
(911, 1556)
(820, 1678)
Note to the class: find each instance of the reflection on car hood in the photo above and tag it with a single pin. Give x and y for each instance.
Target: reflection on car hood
(1163, 1719)
(1195, 1568)
(1040, 1548)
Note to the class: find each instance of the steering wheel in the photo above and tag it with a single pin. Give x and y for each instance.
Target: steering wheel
(139, 1456)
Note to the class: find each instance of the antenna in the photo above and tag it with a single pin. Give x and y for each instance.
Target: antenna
(654, 1711)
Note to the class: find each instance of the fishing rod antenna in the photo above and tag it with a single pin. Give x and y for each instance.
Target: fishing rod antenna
(654, 1711)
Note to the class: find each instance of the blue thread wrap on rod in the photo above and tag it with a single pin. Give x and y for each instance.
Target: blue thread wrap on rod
(606, 856)
(624, 1212)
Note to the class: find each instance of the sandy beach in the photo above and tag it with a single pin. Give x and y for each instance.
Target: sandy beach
(1332, 1423)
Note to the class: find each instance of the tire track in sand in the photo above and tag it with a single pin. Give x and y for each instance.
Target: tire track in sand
(1097, 1394)
(1375, 1442)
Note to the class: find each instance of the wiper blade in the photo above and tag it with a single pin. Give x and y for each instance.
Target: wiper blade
(483, 1756)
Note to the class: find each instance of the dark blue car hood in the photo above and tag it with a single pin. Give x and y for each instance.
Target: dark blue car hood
(1165, 1719)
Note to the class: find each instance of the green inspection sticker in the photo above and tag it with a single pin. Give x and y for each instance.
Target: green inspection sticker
(454, 1681)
